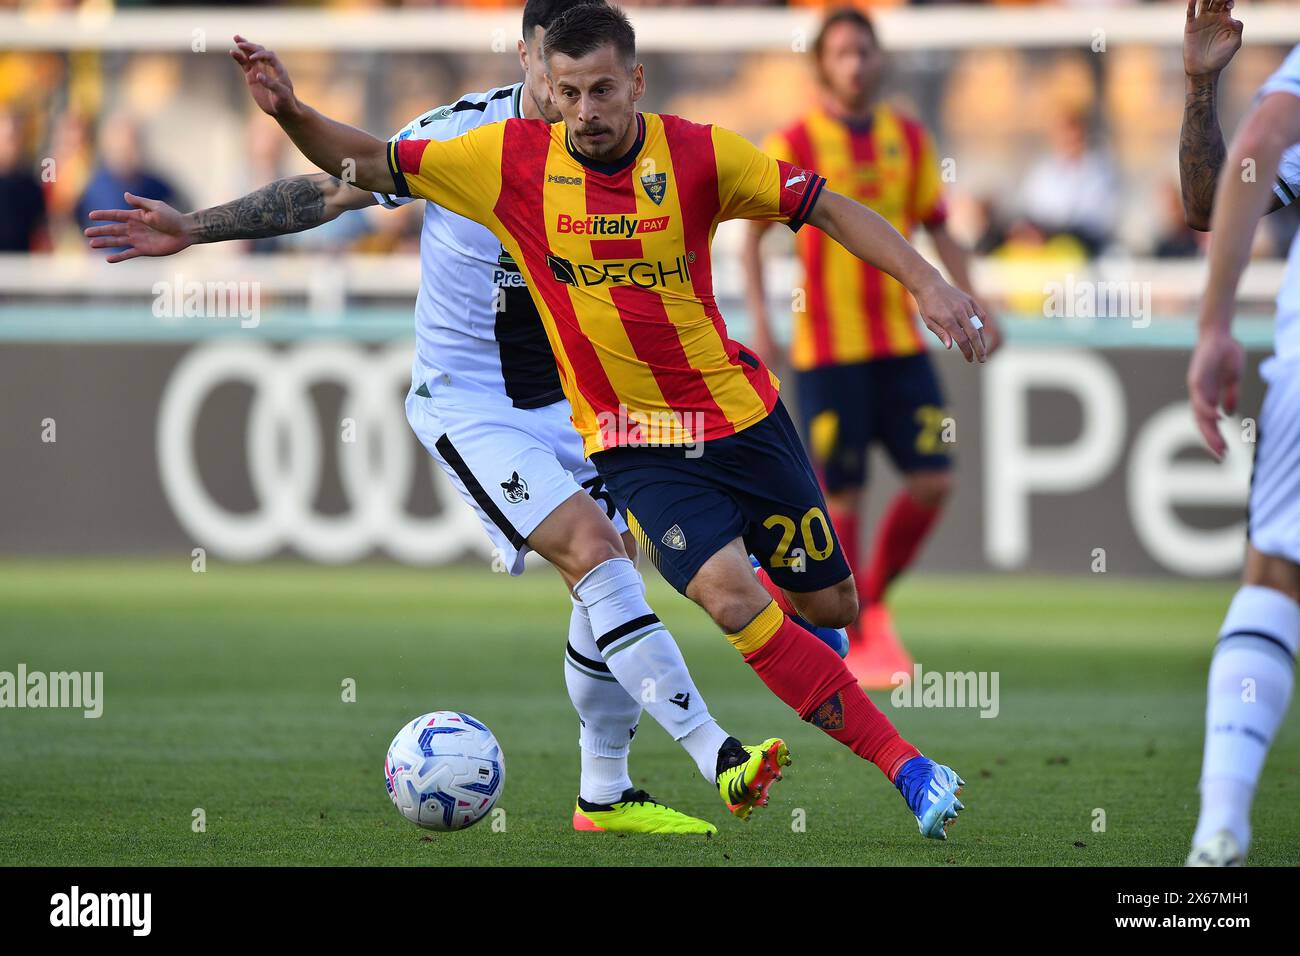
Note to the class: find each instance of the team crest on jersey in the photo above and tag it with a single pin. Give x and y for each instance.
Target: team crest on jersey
(516, 489)
(655, 186)
(674, 538)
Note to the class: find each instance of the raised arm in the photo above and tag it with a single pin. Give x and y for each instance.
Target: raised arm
(1210, 40)
(946, 311)
(350, 154)
(153, 228)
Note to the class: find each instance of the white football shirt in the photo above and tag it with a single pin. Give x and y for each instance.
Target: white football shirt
(475, 323)
(1286, 332)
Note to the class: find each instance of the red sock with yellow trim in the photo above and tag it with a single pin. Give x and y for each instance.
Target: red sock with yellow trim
(812, 679)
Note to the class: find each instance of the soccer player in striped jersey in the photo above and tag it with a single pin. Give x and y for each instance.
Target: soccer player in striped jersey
(486, 401)
(610, 216)
(862, 374)
(1252, 673)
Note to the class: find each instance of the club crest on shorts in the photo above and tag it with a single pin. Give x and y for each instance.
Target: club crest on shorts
(674, 538)
(515, 490)
(655, 185)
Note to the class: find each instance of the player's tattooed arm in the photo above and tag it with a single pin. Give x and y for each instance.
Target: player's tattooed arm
(282, 207)
(153, 228)
(1201, 150)
(1211, 38)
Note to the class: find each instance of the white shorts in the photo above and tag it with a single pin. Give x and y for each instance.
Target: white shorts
(1274, 516)
(513, 466)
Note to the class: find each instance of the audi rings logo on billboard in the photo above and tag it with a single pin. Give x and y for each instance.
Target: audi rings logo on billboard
(286, 457)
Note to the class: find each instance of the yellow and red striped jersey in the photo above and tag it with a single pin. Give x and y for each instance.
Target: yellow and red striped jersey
(617, 259)
(853, 312)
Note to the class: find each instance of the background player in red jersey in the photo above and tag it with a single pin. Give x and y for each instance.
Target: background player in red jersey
(862, 373)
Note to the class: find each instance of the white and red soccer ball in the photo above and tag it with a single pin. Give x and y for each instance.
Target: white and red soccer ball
(444, 771)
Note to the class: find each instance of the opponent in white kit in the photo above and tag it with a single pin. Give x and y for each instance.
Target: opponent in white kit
(486, 402)
(1252, 673)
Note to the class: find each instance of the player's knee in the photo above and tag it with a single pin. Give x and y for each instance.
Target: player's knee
(731, 613)
(930, 489)
(841, 605)
(590, 551)
(835, 606)
(1269, 571)
(731, 608)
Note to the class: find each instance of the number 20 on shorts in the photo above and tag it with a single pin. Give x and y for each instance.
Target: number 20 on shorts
(782, 557)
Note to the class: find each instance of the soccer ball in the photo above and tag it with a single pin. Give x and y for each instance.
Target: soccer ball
(444, 771)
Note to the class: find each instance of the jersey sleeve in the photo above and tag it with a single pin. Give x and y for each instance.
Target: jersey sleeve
(461, 174)
(1286, 80)
(927, 196)
(411, 130)
(754, 185)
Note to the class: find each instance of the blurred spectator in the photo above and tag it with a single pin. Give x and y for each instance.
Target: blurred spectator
(122, 170)
(1036, 258)
(22, 203)
(1073, 190)
(71, 146)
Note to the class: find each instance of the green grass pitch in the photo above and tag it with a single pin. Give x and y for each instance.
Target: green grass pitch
(223, 691)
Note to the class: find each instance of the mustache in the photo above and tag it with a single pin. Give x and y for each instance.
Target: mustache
(591, 130)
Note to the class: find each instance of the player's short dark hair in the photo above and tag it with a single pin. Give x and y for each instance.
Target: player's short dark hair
(543, 13)
(586, 28)
(850, 15)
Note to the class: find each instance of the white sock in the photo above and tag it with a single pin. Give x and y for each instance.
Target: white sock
(607, 715)
(1251, 677)
(703, 744)
(644, 658)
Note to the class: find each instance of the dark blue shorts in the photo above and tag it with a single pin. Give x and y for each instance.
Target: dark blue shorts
(895, 401)
(757, 485)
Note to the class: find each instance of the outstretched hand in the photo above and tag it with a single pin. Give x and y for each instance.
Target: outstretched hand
(149, 228)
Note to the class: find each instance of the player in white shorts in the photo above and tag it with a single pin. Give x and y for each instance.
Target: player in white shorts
(486, 402)
(1252, 672)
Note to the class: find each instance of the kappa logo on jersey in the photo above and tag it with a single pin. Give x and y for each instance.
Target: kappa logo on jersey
(655, 187)
(515, 490)
(674, 538)
(643, 274)
(623, 227)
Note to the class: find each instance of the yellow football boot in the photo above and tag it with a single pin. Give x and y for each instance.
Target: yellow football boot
(635, 812)
(746, 773)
